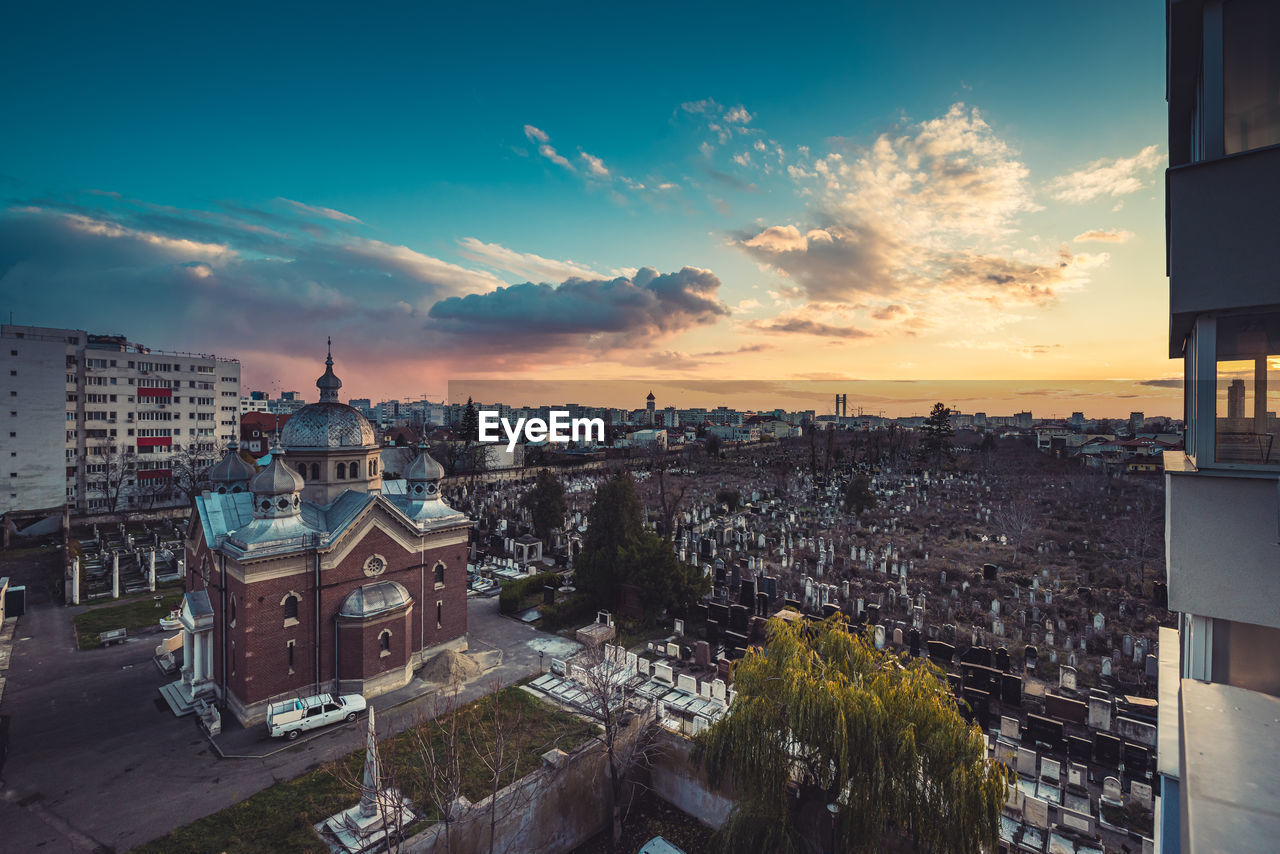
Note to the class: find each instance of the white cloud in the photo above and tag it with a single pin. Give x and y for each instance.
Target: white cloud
(1104, 235)
(536, 135)
(326, 213)
(533, 267)
(595, 166)
(1106, 177)
(738, 115)
(180, 247)
(555, 157)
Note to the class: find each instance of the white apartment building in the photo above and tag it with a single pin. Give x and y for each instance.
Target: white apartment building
(102, 425)
(1218, 740)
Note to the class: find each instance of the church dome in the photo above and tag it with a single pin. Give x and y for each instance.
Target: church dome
(327, 424)
(373, 599)
(277, 478)
(231, 470)
(324, 425)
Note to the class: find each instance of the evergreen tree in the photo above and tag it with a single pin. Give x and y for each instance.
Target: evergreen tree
(936, 437)
(546, 504)
(858, 495)
(619, 550)
(613, 524)
(874, 742)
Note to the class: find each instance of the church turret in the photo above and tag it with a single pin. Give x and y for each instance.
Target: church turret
(276, 488)
(329, 383)
(231, 473)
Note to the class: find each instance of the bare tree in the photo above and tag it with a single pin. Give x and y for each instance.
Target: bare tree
(1015, 519)
(1141, 529)
(436, 756)
(670, 490)
(493, 747)
(628, 722)
(190, 465)
(110, 471)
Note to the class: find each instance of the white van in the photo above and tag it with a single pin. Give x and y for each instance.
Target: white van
(295, 716)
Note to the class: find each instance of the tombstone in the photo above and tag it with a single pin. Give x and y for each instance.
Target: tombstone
(1100, 712)
(687, 683)
(897, 637)
(989, 571)
(1106, 668)
(1079, 749)
(702, 654)
(1067, 678)
(1051, 770)
(1010, 727)
(1152, 668)
(913, 642)
(1077, 775)
(879, 637)
(717, 689)
(1031, 656)
(1099, 622)
(663, 672)
(1111, 790)
(1011, 690)
(1126, 646)
(1027, 759)
(941, 652)
(1140, 793)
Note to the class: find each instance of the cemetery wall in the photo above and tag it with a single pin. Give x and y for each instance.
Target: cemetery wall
(676, 780)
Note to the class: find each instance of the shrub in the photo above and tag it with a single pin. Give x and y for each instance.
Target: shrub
(513, 595)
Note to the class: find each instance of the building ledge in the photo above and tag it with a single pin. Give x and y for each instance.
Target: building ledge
(1177, 462)
(1168, 761)
(1230, 768)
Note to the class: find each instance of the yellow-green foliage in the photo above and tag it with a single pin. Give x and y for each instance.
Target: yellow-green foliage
(877, 734)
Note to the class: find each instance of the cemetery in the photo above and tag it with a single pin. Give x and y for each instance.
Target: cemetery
(1034, 588)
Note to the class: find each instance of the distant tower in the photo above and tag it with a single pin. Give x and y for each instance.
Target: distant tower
(649, 407)
(1235, 399)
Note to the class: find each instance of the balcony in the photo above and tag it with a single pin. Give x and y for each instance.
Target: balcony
(1221, 542)
(1222, 248)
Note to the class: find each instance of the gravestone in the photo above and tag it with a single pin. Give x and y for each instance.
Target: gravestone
(1100, 712)
(1077, 774)
(1067, 677)
(1036, 812)
(1111, 790)
(1027, 759)
(663, 672)
(1010, 727)
(1051, 770)
(685, 682)
(1140, 793)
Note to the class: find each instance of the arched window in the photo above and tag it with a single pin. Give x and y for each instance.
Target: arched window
(315, 471)
(290, 607)
(373, 467)
(439, 573)
(384, 642)
(342, 471)
(355, 469)
(232, 613)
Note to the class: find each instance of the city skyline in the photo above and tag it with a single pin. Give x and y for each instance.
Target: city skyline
(893, 196)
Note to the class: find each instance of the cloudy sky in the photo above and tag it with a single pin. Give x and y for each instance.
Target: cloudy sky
(723, 191)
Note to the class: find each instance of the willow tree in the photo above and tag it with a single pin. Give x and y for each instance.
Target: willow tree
(832, 744)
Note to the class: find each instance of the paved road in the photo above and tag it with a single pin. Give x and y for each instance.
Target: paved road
(95, 760)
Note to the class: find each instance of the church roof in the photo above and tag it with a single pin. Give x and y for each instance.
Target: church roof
(231, 468)
(372, 599)
(324, 425)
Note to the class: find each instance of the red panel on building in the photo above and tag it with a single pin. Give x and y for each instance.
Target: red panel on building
(155, 392)
(155, 441)
(154, 474)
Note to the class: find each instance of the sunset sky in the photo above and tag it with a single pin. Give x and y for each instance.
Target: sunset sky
(560, 191)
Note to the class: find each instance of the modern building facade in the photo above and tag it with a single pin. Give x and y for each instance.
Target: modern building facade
(104, 425)
(1219, 746)
(314, 573)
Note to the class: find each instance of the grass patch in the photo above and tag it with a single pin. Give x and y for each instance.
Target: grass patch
(134, 616)
(280, 818)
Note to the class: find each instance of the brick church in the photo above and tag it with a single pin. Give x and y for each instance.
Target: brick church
(315, 571)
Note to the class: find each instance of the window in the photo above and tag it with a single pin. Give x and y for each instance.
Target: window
(315, 471)
(233, 612)
(289, 647)
(439, 613)
(342, 471)
(1250, 75)
(290, 604)
(1248, 369)
(439, 574)
(355, 470)
(384, 642)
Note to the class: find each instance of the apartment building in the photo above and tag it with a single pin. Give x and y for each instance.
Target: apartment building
(1219, 745)
(101, 424)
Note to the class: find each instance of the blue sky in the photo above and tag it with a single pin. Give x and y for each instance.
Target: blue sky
(251, 180)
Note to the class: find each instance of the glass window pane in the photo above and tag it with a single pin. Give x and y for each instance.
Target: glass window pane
(1248, 389)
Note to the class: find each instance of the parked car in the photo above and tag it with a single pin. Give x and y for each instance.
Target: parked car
(299, 715)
